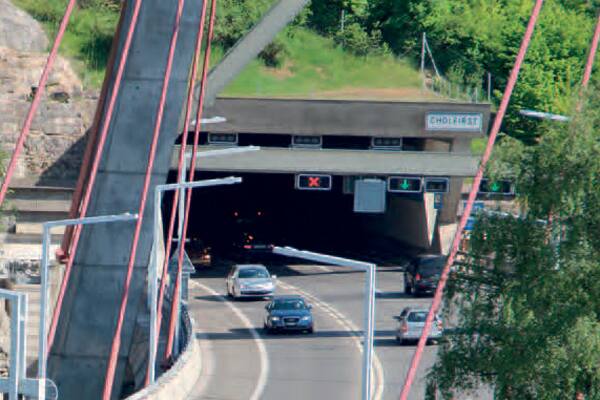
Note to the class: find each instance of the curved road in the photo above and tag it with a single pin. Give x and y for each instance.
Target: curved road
(240, 362)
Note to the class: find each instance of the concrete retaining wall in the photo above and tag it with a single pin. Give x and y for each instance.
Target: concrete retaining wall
(178, 382)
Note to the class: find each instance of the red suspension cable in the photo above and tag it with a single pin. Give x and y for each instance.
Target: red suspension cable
(116, 343)
(472, 195)
(64, 251)
(93, 173)
(180, 171)
(175, 303)
(592, 56)
(36, 100)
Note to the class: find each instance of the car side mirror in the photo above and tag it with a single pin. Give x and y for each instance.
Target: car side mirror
(273, 276)
(267, 307)
(309, 306)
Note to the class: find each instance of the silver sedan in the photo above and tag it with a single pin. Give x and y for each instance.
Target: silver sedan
(250, 280)
(411, 323)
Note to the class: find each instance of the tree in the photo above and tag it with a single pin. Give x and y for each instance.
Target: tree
(526, 298)
(473, 37)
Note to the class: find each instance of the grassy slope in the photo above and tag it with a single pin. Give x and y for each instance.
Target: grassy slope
(314, 66)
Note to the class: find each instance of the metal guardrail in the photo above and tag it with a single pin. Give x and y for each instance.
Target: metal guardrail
(17, 383)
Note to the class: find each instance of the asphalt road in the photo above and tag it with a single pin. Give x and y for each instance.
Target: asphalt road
(241, 362)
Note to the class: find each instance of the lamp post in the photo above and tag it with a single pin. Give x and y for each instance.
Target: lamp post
(153, 267)
(46, 241)
(369, 303)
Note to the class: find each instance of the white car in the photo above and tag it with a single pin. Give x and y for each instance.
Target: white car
(250, 280)
(411, 323)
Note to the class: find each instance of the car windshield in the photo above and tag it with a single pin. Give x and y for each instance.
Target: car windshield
(417, 316)
(288, 304)
(253, 273)
(431, 267)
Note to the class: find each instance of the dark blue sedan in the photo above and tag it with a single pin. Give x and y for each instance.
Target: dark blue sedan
(288, 313)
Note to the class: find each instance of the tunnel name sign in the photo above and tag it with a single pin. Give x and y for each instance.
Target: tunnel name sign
(453, 121)
(313, 182)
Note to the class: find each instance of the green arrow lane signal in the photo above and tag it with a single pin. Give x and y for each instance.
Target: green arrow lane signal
(499, 187)
(405, 184)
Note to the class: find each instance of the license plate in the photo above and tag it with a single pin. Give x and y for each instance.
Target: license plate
(290, 323)
(260, 246)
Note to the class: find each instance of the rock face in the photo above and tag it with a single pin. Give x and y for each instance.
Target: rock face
(54, 146)
(19, 31)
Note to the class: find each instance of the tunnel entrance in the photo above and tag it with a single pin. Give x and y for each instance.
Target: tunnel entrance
(267, 209)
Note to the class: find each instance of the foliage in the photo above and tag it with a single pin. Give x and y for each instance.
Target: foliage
(470, 37)
(314, 66)
(89, 34)
(527, 297)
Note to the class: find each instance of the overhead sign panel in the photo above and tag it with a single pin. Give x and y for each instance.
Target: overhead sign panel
(313, 182)
(405, 184)
(454, 121)
(437, 185)
(369, 196)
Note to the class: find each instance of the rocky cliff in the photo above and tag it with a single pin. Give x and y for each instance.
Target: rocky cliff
(54, 147)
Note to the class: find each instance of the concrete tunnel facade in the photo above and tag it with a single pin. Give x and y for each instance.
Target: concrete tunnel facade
(437, 147)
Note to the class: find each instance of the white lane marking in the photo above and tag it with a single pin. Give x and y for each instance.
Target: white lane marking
(264, 359)
(349, 325)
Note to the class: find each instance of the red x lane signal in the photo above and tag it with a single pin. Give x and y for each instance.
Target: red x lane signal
(313, 182)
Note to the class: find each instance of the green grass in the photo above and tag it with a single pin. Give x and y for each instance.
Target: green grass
(313, 64)
(88, 37)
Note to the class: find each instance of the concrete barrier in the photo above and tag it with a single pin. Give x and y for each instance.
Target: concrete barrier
(178, 382)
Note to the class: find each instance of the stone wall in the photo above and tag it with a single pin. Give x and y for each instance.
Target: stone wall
(54, 147)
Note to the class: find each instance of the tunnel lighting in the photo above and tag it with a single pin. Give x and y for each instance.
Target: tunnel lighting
(307, 141)
(386, 143)
(437, 185)
(222, 138)
(313, 182)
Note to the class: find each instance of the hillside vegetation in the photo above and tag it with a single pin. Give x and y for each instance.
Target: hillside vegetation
(369, 47)
(299, 63)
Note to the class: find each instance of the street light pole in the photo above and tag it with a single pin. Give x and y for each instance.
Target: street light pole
(369, 303)
(46, 241)
(153, 267)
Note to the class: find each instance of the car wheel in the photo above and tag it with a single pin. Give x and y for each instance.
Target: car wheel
(407, 289)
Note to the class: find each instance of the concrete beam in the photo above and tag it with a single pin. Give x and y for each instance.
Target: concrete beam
(338, 162)
(78, 358)
(339, 117)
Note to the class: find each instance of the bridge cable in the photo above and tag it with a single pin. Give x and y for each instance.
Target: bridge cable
(37, 98)
(62, 254)
(181, 174)
(472, 195)
(93, 173)
(592, 55)
(206, 66)
(116, 342)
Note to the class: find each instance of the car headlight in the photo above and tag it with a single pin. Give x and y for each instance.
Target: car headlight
(306, 318)
(275, 319)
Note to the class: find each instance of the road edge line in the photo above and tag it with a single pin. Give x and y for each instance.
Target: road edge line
(262, 350)
(350, 326)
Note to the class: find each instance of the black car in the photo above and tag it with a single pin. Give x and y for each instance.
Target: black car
(288, 313)
(423, 274)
